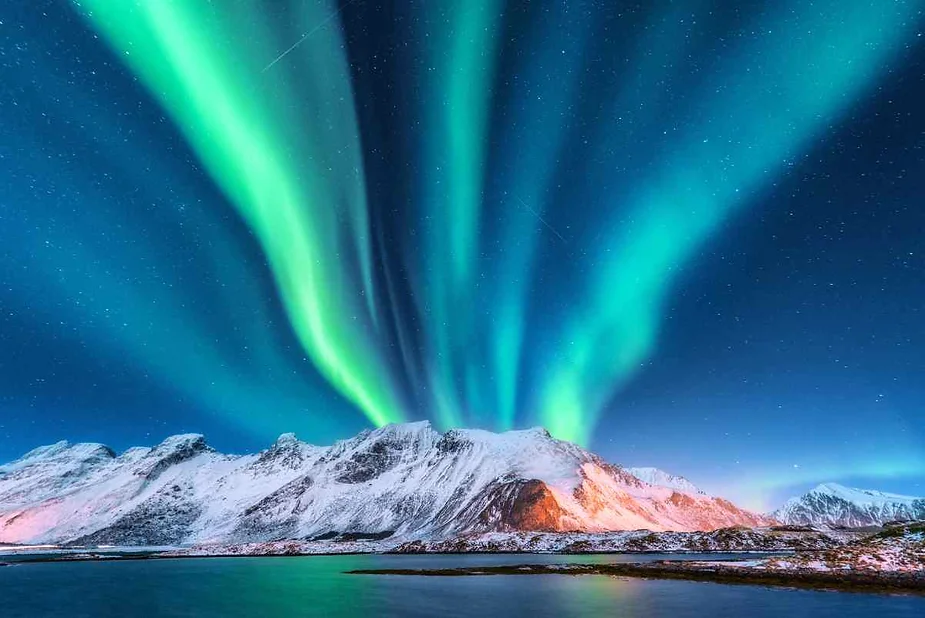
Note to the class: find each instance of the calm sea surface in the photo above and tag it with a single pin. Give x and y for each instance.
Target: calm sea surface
(317, 586)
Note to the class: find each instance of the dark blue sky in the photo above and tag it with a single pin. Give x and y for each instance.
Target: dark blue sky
(136, 302)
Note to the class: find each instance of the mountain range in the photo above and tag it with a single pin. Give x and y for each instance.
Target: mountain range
(403, 481)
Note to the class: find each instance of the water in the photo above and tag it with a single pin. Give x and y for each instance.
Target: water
(317, 586)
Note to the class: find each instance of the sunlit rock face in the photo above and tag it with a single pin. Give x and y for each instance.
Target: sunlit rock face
(406, 480)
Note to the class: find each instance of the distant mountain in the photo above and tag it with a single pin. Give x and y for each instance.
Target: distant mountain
(406, 481)
(831, 504)
(654, 476)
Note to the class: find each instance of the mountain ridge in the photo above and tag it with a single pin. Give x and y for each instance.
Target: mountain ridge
(406, 480)
(832, 504)
(657, 476)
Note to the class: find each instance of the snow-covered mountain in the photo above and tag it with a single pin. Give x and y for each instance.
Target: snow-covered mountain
(831, 504)
(404, 480)
(654, 476)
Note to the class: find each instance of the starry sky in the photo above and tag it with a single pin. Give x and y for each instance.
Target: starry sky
(688, 233)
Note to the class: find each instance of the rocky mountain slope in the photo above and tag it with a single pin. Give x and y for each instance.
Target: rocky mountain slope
(831, 504)
(400, 481)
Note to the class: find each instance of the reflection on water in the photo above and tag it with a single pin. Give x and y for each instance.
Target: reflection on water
(317, 586)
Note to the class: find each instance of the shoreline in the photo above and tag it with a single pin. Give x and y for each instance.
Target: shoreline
(91, 556)
(860, 582)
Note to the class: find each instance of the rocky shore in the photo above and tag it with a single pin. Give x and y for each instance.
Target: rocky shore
(892, 560)
(732, 540)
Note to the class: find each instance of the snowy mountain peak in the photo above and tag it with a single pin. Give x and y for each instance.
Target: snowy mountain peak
(516, 439)
(861, 496)
(285, 440)
(542, 432)
(64, 449)
(831, 504)
(194, 441)
(854, 493)
(828, 488)
(45, 452)
(654, 476)
(87, 451)
(405, 431)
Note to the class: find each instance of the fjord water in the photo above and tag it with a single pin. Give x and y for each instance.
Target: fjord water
(317, 586)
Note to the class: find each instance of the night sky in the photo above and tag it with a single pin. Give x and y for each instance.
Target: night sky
(687, 234)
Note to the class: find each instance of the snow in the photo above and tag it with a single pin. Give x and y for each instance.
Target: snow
(134, 454)
(57, 550)
(286, 439)
(180, 441)
(727, 563)
(899, 549)
(831, 504)
(43, 452)
(60, 451)
(762, 540)
(406, 479)
(867, 497)
(654, 476)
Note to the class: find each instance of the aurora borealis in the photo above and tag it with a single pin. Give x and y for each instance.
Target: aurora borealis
(680, 233)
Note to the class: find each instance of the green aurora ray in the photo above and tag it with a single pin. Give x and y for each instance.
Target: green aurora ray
(296, 180)
(545, 93)
(456, 111)
(763, 107)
